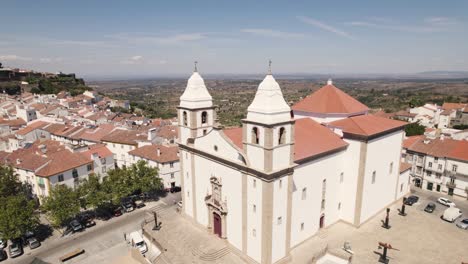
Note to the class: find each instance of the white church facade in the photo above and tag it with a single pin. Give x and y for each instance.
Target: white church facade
(288, 171)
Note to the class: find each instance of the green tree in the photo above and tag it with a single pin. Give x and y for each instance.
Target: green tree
(17, 216)
(62, 204)
(9, 183)
(144, 177)
(414, 129)
(92, 192)
(117, 184)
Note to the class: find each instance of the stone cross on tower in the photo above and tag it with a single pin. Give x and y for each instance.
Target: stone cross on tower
(195, 68)
(269, 67)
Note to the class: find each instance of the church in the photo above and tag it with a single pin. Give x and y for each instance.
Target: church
(289, 171)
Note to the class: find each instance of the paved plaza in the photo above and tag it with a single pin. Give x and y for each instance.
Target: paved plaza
(420, 237)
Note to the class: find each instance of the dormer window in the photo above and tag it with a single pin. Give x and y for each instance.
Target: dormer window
(184, 116)
(255, 136)
(282, 136)
(204, 117)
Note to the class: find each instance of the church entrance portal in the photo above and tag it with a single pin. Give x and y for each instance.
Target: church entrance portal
(217, 224)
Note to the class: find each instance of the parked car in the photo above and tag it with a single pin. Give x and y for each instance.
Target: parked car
(463, 224)
(3, 255)
(117, 211)
(15, 249)
(33, 243)
(3, 243)
(451, 214)
(430, 207)
(88, 223)
(175, 189)
(140, 204)
(446, 202)
(137, 241)
(128, 207)
(75, 225)
(411, 200)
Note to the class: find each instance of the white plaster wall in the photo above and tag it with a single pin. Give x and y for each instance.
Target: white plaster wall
(214, 139)
(308, 211)
(280, 205)
(403, 187)
(120, 152)
(281, 157)
(350, 176)
(68, 176)
(254, 219)
(187, 194)
(380, 153)
(231, 180)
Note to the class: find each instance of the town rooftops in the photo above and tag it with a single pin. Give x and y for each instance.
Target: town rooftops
(157, 153)
(404, 114)
(46, 158)
(330, 100)
(127, 137)
(31, 127)
(404, 167)
(18, 122)
(99, 149)
(311, 139)
(453, 106)
(367, 126)
(441, 148)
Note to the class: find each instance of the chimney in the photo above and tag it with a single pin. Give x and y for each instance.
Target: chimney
(442, 137)
(18, 161)
(43, 149)
(158, 151)
(427, 141)
(151, 134)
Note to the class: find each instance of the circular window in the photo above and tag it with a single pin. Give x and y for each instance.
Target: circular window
(215, 148)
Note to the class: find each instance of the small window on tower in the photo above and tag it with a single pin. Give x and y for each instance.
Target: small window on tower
(184, 116)
(255, 136)
(204, 117)
(282, 136)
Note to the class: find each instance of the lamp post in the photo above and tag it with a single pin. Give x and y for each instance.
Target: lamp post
(402, 211)
(157, 226)
(383, 257)
(386, 223)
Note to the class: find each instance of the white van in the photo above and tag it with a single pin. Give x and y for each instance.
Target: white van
(451, 214)
(137, 241)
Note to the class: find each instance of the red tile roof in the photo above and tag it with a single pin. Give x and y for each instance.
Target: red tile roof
(235, 135)
(311, 139)
(455, 149)
(452, 106)
(409, 141)
(100, 149)
(150, 152)
(32, 127)
(404, 167)
(460, 151)
(128, 137)
(367, 125)
(330, 100)
(13, 122)
(97, 134)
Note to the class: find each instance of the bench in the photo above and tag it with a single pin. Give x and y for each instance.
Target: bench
(71, 254)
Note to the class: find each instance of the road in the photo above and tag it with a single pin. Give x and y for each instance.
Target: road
(102, 242)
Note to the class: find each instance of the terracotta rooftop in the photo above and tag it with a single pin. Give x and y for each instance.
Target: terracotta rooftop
(404, 113)
(32, 127)
(150, 152)
(367, 125)
(330, 100)
(54, 160)
(18, 122)
(128, 137)
(453, 106)
(311, 139)
(409, 141)
(100, 149)
(98, 133)
(456, 149)
(404, 166)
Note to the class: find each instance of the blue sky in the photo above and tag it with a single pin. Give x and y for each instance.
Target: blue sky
(162, 38)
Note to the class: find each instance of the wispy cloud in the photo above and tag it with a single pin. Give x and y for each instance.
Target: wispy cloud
(133, 60)
(14, 58)
(428, 25)
(323, 26)
(156, 39)
(87, 43)
(50, 60)
(271, 33)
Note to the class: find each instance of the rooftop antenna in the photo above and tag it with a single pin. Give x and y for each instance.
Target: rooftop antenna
(195, 69)
(269, 67)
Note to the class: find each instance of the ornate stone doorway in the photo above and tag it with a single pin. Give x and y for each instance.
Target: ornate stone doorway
(217, 208)
(217, 224)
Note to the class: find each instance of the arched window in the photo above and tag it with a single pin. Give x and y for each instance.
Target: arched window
(204, 117)
(185, 118)
(292, 114)
(255, 136)
(282, 136)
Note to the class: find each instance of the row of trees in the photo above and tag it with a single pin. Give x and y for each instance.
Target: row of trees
(64, 202)
(17, 209)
